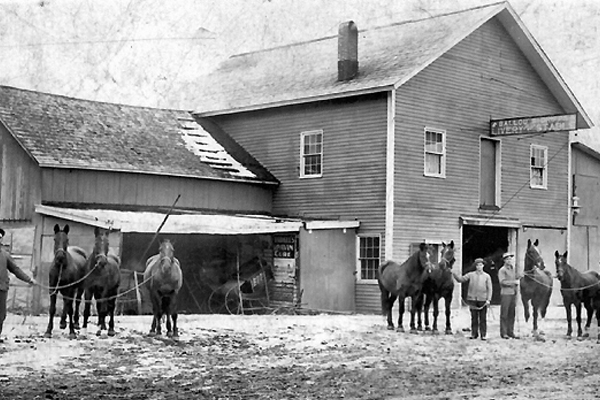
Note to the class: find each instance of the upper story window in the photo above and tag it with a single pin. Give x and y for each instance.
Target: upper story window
(435, 152)
(311, 154)
(539, 167)
(369, 257)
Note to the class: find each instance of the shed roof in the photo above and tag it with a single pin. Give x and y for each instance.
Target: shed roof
(188, 223)
(64, 132)
(388, 57)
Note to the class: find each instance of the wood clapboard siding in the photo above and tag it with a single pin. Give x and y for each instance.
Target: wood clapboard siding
(354, 145)
(118, 189)
(20, 174)
(485, 76)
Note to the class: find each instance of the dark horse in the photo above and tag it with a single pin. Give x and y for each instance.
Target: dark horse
(103, 277)
(439, 283)
(536, 285)
(66, 275)
(577, 288)
(398, 281)
(164, 277)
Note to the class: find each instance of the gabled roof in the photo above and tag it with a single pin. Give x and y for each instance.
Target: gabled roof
(388, 57)
(63, 132)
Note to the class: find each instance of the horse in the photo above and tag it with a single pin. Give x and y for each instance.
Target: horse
(536, 286)
(164, 276)
(397, 281)
(103, 277)
(577, 288)
(65, 277)
(439, 283)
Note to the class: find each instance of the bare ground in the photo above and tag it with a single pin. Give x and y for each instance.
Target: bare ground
(296, 357)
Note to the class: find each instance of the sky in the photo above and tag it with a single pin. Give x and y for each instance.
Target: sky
(149, 52)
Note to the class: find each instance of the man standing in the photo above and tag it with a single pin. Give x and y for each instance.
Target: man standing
(479, 296)
(508, 296)
(8, 264)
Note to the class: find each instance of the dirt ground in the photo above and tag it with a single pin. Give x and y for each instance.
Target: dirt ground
(296, 357)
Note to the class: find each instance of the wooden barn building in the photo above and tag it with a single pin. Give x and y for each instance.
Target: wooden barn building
(452, 127)
(147, 174)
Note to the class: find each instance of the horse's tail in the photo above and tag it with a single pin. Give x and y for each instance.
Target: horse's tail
(385, 294)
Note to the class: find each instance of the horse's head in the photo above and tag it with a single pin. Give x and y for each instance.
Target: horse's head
(424, 256)
(533, 256)
(101, 246)
(561, 264)
(61, 243)
(167, 252)
(447, 260)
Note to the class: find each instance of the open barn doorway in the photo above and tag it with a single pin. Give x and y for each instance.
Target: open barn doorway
(489, 243)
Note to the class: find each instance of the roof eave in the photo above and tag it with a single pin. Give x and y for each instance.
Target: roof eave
(543, 66)
(156, 173)
(291, 102)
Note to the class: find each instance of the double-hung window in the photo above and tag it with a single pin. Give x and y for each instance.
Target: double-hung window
(311, 154)
(539, 167)
(369, 257)
(435, 153)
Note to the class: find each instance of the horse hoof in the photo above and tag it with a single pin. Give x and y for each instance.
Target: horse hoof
(99, 332)
(414, 331)
(400, 329)
(449, 332)
(585, 335)
(151, 334)
(72, 336)
(63, 325)
(47, 335)
(111, 333)
(390, 327)
(76, 327)
(427, 328)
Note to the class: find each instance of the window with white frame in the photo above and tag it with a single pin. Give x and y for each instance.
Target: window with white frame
(369, 257)
(539, 167)
(435, 152)
(311, 154)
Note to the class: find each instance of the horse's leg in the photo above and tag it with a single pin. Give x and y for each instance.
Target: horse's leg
(387, 301)
(413, 311)
(101, 307)
(167, 313)
(51, 312)
(78, 295)
(590, 315)
(63, 315)
(111, 303)
(401, 301)
(448, 305)
(569, 322)
(578, 318)
(87, 300)
(174, 317)
(419, 308)
(155, 328)
(69, 306)
(436, 312)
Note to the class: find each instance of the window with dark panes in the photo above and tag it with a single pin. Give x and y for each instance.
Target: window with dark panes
(369, 256)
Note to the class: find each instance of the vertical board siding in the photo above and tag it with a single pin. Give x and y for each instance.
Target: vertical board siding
(485, 76)
(354, 144)
(20, 180)
(118, 189)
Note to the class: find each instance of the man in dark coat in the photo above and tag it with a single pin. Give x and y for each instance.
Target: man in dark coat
(8, 264)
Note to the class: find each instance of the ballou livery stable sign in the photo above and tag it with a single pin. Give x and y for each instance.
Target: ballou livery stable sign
(528, 125)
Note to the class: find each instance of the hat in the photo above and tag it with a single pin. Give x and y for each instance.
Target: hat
(507, 255)
(2, 233)
(479, 260)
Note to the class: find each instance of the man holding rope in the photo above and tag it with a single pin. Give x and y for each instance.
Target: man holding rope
(8, 264)
(479, 295)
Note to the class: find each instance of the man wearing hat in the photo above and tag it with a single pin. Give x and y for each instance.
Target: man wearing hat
(479, 295)
(508, 296)
(8, 264)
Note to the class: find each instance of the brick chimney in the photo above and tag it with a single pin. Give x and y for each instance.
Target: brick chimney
(347, 51)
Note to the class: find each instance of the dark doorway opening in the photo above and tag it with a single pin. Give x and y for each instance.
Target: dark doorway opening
(489, 243)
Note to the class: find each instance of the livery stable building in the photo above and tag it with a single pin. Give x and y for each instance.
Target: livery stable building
(339, 152)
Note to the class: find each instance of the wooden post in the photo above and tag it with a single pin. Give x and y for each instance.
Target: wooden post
(138, 296)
